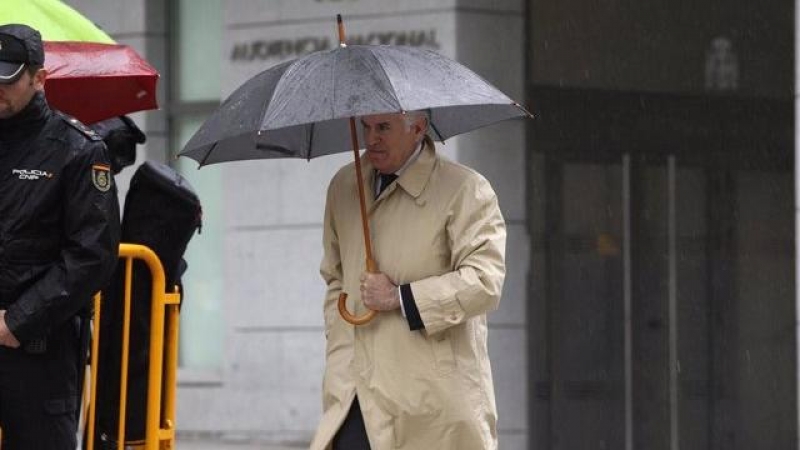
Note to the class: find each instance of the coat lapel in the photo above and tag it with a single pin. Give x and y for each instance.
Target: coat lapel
(416, 176)
(413, 180)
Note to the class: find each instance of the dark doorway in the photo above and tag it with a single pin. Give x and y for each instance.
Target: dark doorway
(663, 312)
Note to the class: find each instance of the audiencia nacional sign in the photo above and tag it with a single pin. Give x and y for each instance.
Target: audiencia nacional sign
(263, 50)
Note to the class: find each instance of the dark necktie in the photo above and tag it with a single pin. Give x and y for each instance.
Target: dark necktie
(385, 180)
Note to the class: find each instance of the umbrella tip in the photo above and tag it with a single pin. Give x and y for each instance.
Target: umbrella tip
(522, 108)
(340, 30)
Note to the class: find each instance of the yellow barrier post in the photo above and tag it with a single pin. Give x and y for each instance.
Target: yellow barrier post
(171, 366)
(126, 341)
(163, 356)
(92, 410)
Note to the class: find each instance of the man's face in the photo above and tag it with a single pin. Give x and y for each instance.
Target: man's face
(16, 96)
(390, 141)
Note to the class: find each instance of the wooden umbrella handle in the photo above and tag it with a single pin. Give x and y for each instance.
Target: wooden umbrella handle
(346, 315)
(350, 318)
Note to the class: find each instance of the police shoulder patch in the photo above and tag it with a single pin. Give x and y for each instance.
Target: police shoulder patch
(78, 125)
(101, 177)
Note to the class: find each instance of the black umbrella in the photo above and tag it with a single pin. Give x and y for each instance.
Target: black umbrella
(306, 107)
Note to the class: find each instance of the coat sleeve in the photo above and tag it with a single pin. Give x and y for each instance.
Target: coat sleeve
(477, 236)
(89, 246)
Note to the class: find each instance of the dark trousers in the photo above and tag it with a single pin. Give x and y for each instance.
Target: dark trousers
(39, 394)
(352, 435)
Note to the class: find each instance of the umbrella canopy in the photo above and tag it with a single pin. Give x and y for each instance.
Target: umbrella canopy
(301, 108)
(89, 76)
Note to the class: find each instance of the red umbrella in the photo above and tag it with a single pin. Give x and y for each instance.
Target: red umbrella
(89, 75)
(94, 82)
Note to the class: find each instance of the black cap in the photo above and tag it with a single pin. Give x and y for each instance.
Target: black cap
(20, 45)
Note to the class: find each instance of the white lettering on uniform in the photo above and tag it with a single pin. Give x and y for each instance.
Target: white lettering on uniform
(31, 174)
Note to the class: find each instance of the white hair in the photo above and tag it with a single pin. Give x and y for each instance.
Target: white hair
(412, 116)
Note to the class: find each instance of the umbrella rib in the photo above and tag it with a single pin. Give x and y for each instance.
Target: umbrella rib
(333, 82)
(388, 79)
(208, 153)
(435, 130)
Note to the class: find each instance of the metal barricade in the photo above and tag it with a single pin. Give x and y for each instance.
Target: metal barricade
(163, 357)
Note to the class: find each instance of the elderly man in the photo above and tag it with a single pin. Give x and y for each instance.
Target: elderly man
(418, 375)
(59, 234)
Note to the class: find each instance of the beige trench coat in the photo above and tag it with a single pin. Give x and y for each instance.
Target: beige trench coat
(439, 228)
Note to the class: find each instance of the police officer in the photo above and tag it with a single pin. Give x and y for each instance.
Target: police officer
(59, 235)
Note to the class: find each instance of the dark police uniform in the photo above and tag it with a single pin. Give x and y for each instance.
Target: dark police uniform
(59, 236)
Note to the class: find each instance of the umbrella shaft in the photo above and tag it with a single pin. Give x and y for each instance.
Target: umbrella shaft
(362, 198)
